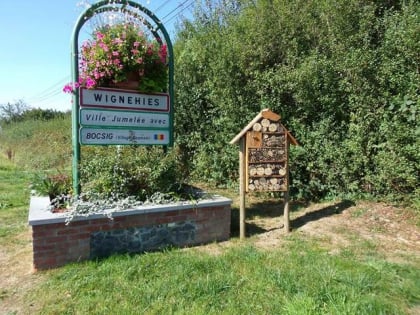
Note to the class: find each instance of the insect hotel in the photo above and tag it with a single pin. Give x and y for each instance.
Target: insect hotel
(263, 160)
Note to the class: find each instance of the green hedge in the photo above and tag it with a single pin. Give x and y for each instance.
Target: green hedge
(343, 75)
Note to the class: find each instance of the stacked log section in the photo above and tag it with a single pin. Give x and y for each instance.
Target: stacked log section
(267, 157)
(267, 184)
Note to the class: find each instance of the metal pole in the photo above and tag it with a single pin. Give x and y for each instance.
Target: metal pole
(103, 6)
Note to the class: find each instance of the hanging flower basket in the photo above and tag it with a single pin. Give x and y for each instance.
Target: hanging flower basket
(121, 56)
(130, 83)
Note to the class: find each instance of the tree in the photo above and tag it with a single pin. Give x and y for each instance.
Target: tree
(12, 112)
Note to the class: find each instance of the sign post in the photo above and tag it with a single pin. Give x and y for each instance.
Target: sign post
(118, 117)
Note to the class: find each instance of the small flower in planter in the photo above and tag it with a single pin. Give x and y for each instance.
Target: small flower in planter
(121, 55)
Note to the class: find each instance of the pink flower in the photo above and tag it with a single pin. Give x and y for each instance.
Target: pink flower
(103, 46)
(110, 55)
(99, 35)
(68, 88)
(117, 41)
(163, 52)
(90, 83)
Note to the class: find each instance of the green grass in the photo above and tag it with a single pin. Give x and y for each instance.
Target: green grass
(298, 279)
(37, 144)
(14, 200)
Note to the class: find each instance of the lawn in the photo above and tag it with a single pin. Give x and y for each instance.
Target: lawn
(299, 278)
(324, 266)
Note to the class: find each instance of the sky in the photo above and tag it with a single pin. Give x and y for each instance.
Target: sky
(35, 46)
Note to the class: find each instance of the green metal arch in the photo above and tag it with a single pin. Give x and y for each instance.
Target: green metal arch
(100, 7)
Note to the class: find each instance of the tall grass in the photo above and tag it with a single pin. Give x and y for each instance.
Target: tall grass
(14, 200)
(38, 144)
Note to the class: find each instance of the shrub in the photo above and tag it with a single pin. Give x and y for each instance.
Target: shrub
(119, 172)
(52, 185)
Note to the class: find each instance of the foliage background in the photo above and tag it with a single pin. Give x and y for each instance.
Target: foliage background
(344, 76)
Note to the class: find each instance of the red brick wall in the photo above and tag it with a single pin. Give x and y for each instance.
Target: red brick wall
(56, 244)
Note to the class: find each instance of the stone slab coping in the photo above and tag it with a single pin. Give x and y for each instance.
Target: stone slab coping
(40, 215)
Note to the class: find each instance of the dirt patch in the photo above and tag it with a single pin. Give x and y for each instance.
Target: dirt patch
(17, 276)
(389, 231)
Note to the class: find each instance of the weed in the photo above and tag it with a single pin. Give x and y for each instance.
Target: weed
(358, 212)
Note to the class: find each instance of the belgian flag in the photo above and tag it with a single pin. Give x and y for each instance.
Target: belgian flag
(159, 136)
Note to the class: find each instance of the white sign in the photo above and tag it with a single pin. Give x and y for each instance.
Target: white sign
(123, 100)
(115, 118)
(123, 136)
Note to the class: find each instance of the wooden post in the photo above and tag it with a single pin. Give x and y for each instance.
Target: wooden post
(286, 218)
(286, 193)
(242, 153)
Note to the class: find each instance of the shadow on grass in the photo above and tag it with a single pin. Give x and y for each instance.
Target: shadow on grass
(336, 208)
(250, 228)
(274, 209)
(266, 209)
(263, 206)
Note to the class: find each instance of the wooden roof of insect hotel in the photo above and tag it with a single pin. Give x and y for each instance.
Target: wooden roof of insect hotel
(267, 114)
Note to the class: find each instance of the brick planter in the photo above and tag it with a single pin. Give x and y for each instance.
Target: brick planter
(131, 231)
